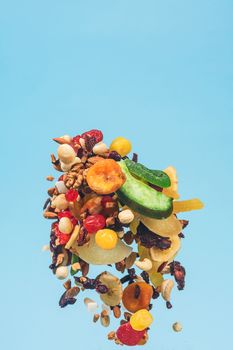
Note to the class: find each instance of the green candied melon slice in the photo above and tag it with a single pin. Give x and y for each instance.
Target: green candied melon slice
(154, 177)
(142, 198)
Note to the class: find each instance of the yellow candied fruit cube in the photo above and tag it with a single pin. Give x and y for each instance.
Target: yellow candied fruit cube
(121, 146)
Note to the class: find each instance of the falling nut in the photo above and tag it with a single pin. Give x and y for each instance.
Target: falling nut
(61, 187)
(126, 216)
(67, 167)
(145, 264)
(49, 215)
(66, 153)
(49, 178)
(45, 248)
(62, 272)
(177, 327)
(96, 318)
(100, 148)
(73, 239)
(65, 225)
(105, 320)
(91, 304)
(60, 202)
(111, 335)
(166, 288)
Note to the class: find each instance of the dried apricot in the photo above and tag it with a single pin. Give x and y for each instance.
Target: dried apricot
(105, 177)
(137, 296)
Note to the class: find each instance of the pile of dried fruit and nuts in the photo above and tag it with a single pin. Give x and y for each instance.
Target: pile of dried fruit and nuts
(110, 210)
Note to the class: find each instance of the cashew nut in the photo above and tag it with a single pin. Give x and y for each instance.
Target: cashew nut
(145, 264)
(166, 288)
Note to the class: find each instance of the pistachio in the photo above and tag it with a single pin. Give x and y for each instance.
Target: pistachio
(126, 216)
(177, 327)
(145, 264)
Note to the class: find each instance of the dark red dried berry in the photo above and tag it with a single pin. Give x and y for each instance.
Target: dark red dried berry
(114, 155)
(97, 134)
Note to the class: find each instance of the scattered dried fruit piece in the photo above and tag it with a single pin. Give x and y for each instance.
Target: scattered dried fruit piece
(141, 320)
(137, 296)
(105, 177)
(187, 205)
(128, 336)
(114, 294)
(165, 255)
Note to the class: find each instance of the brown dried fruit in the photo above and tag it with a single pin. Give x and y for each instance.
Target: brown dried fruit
(133, 300)
(117, 311)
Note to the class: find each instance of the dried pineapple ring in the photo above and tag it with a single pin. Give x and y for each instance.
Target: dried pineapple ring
(165, 228)
(188, 205)
(105, 177)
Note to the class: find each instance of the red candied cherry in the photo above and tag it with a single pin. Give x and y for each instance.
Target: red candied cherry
(97, 134)
(64, 214)
(94, 223)
(128, 336)
(71, 195)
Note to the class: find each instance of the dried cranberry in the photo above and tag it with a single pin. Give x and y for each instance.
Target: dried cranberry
(93, 223)
(97, 134)
(64, 214)
(75, 141)
(105, 200)
(128, 336)
(102, 289)
(62, 237)
(71, 195)
(114, 155)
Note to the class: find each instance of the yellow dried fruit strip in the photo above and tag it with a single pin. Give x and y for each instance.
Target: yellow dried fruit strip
(171, 193)
(172, 190)
(187, 205)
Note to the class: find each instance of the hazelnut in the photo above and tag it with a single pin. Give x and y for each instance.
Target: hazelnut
(65, 225)
(62, 272)
(60, 202)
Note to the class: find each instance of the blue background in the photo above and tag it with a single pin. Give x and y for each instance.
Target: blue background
(157, 72)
